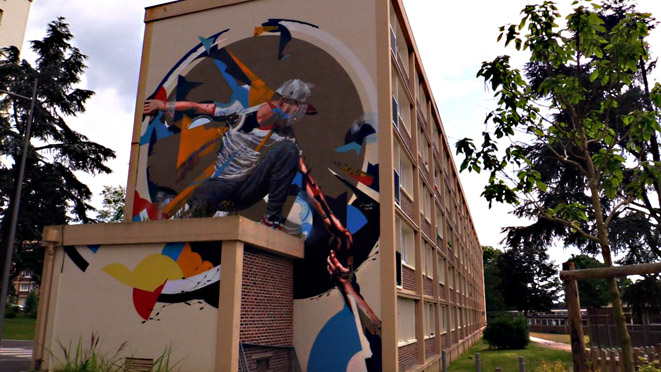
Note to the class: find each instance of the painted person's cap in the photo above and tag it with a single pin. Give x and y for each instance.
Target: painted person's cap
(299, 91)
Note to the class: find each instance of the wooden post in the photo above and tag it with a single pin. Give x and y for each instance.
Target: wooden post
(522, 364)
(612, 361)
(498, 369)
(575, 325)
(478, 366)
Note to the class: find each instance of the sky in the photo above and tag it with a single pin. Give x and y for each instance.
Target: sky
(453, 38)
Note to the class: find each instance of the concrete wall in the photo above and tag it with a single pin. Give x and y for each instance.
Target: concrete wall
(14, 19)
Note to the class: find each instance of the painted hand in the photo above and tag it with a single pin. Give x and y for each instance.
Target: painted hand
(152, 106)
(341, 275)
(340, 236)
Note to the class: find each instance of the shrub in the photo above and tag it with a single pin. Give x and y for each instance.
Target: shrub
(507, 332)
(646, 366)
(11, 310)
(31, 304)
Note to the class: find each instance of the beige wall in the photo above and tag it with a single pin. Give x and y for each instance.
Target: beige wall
(13, 22)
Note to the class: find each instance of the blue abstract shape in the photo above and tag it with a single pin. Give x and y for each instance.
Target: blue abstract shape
(173, 250)
(94, 248)
(207, 42)
(335, 345)
(355, 219)
(155, 126)
(305, 214)
(353, 146)
(298, 180)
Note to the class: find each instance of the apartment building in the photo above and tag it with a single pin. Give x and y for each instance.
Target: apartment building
(292, 201)
(13, 20)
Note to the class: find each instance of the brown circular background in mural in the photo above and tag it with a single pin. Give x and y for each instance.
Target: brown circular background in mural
(333, 95)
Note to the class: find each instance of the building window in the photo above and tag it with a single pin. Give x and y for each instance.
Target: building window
(428, 254)
(441, 269)
(444, 319)
(430, 319)
(404, 169)
(405, 321)
(24, 287)
(425, 206)
(406, 246)
(423, 148)
(453, 322)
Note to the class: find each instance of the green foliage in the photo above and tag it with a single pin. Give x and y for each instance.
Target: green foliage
(52, 192)
(507, 332)
(11, 310)
(31, 304)
(112, 208)
(594, 292)
(646, 366)
(555, 366)
(89, 358)
(528, 279)
(643, 297)
(493, 297)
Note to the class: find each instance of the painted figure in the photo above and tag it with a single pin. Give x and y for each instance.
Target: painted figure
(258, 157)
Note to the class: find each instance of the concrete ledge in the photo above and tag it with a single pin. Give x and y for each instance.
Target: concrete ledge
(177, 8)
(185, 230)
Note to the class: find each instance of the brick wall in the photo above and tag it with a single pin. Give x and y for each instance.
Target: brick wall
(428, 285)
(430, 343)
(267, 299)
(408, 278)
(408, 356)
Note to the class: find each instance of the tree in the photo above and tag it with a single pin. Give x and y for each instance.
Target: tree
(528, 280)
(594, 292)
(583, 74)
(643, 297)
(493, 298)
(112, 208)
(52, 194)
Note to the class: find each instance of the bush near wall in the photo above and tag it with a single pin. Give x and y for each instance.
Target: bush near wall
(507, 332)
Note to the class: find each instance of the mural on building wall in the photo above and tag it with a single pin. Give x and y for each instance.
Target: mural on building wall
(272, 127)
(186, 273)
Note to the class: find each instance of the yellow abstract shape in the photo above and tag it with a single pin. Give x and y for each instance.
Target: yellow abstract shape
(259, 91)
(147, 275)
(195, 144)
(191, 262)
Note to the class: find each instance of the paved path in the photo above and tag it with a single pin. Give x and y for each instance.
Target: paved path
(551, 344)
(15, 355)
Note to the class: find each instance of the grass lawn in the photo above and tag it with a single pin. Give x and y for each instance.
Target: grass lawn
(558, 338)
(508, 360)
(18, 329)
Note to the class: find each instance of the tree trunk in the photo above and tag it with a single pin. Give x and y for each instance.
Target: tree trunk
(621, 326)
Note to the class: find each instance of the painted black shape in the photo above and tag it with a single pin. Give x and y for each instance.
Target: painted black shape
(373, 170)
(208, 251)
(285, 34)
(208, 294)
(358, 132)
(310, 275)
(76, 258)
(232, 67)
(183, 88)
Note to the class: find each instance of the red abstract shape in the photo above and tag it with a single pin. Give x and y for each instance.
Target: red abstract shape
(144, 301)
(161, 94)
(140, 204)
(366, 180)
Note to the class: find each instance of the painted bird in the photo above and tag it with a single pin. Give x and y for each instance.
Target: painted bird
(274, 25)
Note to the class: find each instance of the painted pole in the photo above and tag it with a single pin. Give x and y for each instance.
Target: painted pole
(478, 366)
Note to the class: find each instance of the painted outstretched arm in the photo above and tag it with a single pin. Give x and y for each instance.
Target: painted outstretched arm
(340, 235)
(153, 105)
(343, 277)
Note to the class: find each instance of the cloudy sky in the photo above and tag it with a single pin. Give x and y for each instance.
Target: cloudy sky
(453, 38)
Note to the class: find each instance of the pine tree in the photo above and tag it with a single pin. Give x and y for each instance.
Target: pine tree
(52, 194)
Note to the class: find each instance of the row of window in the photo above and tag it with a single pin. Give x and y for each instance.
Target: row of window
(406, 319)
